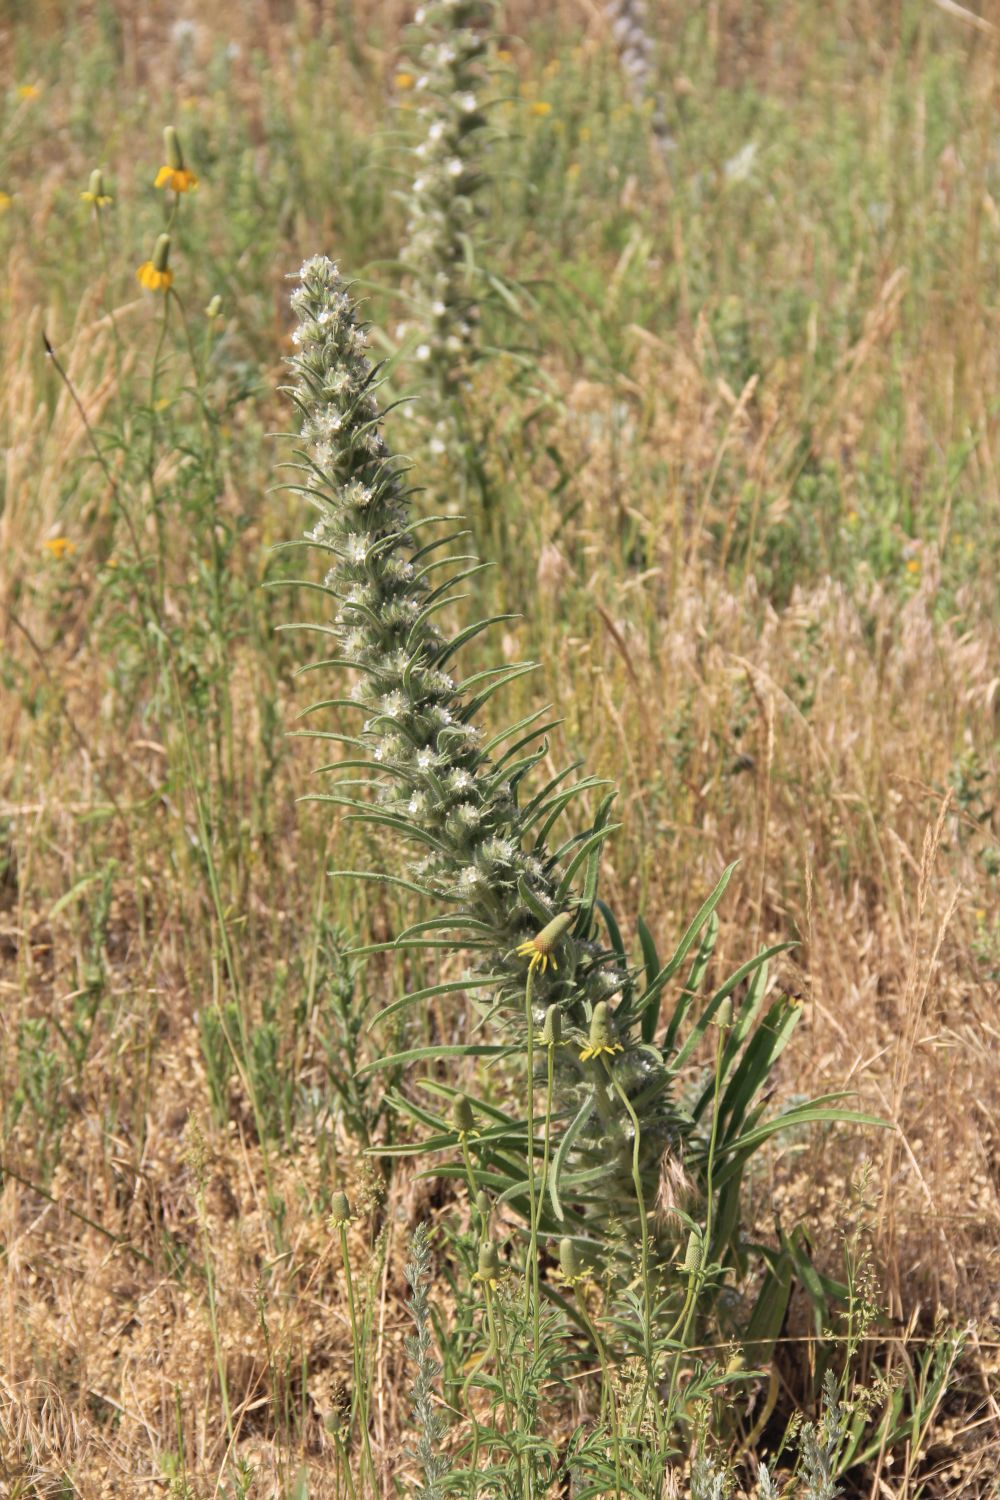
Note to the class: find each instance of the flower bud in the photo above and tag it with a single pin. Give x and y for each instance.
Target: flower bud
(214, 308)
(161, 253)
(461, 1113)
(600, 1026)
(569, 1260)
(172, 149)
(693, 1253)
(340, 1211)
(552, 1030)
(489, 1262)
(483, 1205)
(723, 1017)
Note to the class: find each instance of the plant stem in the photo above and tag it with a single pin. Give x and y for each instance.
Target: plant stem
(532, 1288)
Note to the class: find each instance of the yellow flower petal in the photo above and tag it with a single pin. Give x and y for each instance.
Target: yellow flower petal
(153, 280)
(178, 179)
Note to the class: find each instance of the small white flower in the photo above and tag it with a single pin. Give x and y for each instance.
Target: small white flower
(467, 103)
(455, 167)
(357, 494)
(460, 780)
(425, 759)
(499, 851)
(355, 548)
(469, 878)
(422, 352)
(393, 704)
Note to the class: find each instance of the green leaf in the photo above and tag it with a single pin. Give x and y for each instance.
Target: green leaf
(565, 1146)
(447, 987)
(764, 1324)
(698, 1030)
(592, 842)
(669, 969)
(419, 1054)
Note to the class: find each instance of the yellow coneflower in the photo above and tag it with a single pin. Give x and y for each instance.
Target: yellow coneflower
(95, 193)
(463, 1118)
(571, 1269)
(155, 275)
(174, 174)
(601, 1041)
(540, 947)
(489, 1270)
(59, 546)
(179, 179)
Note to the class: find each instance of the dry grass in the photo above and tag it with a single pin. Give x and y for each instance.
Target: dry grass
(819, 736)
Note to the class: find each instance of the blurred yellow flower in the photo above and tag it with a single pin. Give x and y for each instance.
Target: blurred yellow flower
(155, 275)
(179, 179)
(5, 201)
(174, 174)
(913, 566)
(60, 546)
(503, 56)
(153, 280)
(28, 91)
(541, 107)
(404, 80)
(95, 193)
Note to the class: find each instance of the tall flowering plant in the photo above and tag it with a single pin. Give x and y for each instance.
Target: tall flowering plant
(450, 39)
(629, 23)
(549, 966)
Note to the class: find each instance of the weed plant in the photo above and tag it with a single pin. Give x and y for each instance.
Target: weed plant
(551, 976)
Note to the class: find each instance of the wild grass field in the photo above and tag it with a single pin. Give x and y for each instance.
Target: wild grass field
(722, 412)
